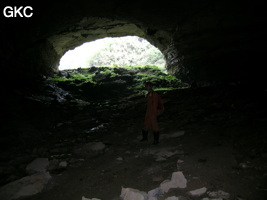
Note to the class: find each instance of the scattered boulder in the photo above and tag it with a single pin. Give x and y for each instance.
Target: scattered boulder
(119, 159)
(56, 166)
(177, 181)
(133, 194)
(25, 187)
(198, 192)
(160, 159)
(154, 194)
(219, 194)
(38, 165)
(63, 164)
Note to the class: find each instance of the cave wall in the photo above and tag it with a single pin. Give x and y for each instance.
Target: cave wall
(203, 41)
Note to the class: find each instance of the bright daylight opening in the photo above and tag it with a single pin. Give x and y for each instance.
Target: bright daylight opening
(119, 51)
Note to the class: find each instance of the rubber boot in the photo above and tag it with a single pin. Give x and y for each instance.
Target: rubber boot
(144, 133)
(156, 138)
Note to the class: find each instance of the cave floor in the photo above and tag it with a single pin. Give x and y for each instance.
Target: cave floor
(216, 138)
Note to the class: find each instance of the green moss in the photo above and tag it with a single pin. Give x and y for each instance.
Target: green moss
(74, 78)
(109, 71)
(139, 75)
(164, 89)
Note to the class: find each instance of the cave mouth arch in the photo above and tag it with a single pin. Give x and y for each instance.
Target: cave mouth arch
(89, 29)
(113, 51)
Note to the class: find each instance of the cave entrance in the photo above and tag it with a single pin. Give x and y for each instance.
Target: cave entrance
(113, 68)
(114, 51)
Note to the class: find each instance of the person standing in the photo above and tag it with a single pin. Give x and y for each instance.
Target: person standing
(154, 108)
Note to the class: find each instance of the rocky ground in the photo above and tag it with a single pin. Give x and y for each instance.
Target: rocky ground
(212, 146)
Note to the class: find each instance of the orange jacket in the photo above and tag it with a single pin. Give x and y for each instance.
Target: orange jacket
(152, 112)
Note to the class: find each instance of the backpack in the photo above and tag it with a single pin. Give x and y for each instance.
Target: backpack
(160, 109)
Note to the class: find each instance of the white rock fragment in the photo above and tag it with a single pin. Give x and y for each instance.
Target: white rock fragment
(165, 186)
(160, 159)
(154, 194)
(38, 165)
(133, 194)
(172, 198)
(119, 159)
(63, 164)
(198, 192)
(177, 181)
(219, 194)
(25, 187)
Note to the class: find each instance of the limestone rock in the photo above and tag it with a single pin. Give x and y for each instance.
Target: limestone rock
(155, 193)
(38, 165)
(177, 181)
(24, 187)
(133, 194)
(119, 159)
(198, 192)
(63, 164)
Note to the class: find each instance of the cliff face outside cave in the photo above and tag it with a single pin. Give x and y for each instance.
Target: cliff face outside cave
(206, 42)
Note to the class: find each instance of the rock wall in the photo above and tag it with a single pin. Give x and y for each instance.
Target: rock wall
(204, 42)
